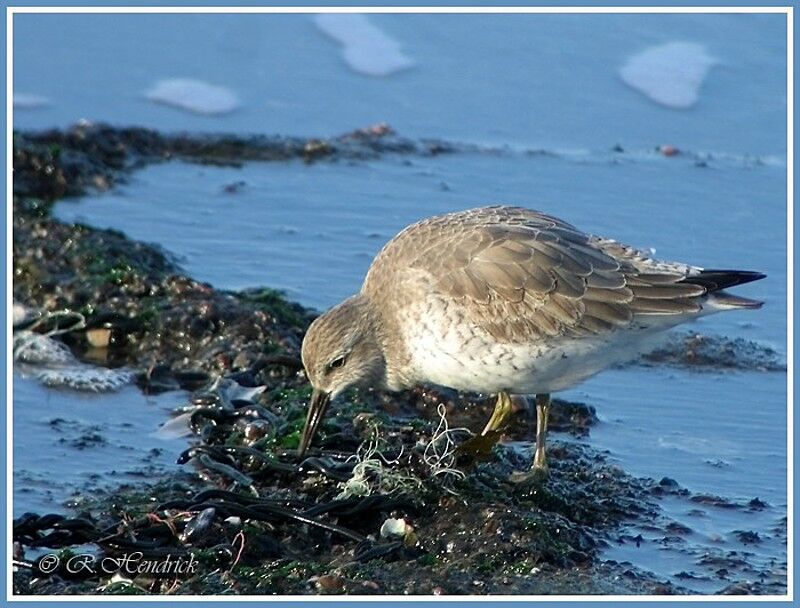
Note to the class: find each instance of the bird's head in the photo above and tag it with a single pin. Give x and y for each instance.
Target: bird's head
(340, 350)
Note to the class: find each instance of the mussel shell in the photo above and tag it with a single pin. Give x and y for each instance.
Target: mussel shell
(199, 527)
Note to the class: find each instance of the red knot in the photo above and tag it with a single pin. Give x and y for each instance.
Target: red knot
(503, 300)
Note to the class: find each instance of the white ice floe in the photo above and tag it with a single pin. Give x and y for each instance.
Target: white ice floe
(41, 356)
(39, 349)
(51, 363)
(27, 101)
(670, 74)
(194, 96)
(83, 377)
(366, 48)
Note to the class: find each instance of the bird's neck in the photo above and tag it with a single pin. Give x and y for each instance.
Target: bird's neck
(380, 327)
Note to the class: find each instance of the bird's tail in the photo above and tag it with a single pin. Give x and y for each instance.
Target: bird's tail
(716, 281)
(727, 300)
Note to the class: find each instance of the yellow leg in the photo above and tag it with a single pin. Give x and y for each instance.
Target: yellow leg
(502, 410)
(542, 412)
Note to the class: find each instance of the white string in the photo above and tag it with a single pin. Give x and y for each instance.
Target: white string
(439, 454)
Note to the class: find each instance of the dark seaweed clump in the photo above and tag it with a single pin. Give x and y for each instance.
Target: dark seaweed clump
(259, 522)
(693, 350)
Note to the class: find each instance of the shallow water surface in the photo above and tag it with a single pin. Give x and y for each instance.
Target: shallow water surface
(67, 443)
(549, 80)
(718, 434)
(273, 223)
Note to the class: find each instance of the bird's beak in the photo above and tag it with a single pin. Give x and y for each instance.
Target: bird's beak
(316, 410)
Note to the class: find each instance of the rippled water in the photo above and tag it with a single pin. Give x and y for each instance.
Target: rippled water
(550, 80)
(284, 218)
(545, 83)
(67, 443)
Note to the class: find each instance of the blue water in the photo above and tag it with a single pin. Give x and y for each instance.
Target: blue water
(517, 82)
(549, 80)
(69, 445)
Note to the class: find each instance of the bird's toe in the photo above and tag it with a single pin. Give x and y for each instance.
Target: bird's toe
(526, 481)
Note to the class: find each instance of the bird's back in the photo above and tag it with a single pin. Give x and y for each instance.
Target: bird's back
(513, 276)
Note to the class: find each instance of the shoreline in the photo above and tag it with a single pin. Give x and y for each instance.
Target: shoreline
(479, 535)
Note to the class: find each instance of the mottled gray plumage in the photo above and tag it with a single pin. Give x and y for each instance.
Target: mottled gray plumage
(504, 299)
(525, 275)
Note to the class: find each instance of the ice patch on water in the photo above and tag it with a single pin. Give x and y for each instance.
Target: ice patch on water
(699, 445)
(38, 349)
(194, 96)
(367, 49)
(84, 378)
(41, 356)
(670, 74)
(28, 101)
(51, 363)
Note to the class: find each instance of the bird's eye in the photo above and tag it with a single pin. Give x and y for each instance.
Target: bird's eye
(336, 363)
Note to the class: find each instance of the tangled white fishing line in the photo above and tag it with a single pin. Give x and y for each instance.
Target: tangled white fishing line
(440, 453)
(371, 472)
(374, 472)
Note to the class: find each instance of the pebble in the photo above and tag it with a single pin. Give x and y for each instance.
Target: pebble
(329, 582)
(99, 337)
(394, 528)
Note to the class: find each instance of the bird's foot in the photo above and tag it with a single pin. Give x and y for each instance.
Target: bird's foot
(479, 447)
(525, 480)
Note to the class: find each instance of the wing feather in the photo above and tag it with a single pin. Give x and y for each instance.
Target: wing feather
(522, 275)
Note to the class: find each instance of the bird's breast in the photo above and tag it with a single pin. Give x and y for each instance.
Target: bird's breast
(444, 348)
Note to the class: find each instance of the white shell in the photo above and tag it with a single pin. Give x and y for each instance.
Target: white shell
(393, 528)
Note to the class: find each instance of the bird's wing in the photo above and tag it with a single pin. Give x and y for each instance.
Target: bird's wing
(521, 274)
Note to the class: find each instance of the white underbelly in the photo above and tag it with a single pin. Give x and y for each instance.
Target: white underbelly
(468, 361)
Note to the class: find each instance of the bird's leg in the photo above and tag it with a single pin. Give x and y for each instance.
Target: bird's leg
(542, 412)
(502, 410)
